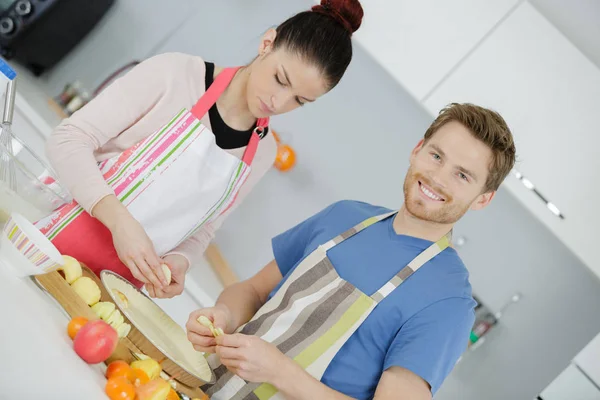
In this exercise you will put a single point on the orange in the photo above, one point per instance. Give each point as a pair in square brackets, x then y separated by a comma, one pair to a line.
[120, 368]
[119, 388]
[139, 377]
[173, 395]
[286, 158]
[75, 325]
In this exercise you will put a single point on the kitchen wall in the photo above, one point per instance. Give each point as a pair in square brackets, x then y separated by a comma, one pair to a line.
[354, 144]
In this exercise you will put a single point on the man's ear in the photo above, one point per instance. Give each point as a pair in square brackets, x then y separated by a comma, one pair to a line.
[416, 150]
[483, 200]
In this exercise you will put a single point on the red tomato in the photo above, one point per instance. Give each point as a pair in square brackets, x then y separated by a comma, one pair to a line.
[95, 342]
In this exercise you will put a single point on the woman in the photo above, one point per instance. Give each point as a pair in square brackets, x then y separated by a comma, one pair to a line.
[115, 225]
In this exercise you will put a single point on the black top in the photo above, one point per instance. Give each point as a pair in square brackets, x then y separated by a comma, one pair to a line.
[226, 137]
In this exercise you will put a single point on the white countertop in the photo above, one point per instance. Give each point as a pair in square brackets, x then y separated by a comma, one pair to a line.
[36, 354]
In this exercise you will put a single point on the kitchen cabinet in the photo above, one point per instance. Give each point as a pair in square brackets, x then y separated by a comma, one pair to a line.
[549, 93]
[420, 42]
[571, 384]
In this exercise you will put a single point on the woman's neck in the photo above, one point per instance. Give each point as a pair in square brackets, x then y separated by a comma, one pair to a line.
[232, 104]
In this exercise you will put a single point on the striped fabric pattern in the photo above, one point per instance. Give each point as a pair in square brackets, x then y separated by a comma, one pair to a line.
[136, 168]
[28, 248]
[311, 316]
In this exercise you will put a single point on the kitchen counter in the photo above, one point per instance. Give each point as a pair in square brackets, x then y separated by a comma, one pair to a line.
[37, 357]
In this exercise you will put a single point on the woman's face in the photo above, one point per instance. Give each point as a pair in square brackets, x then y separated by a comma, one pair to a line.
[280, 81]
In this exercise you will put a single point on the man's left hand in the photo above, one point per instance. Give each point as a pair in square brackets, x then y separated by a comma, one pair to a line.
[178, 265]
[251, 358]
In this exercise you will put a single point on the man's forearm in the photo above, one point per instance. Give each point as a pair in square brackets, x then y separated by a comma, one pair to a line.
[297, 384]
[242, 302]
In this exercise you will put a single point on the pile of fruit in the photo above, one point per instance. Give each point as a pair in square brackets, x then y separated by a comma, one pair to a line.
[143, 379]
[89, 291]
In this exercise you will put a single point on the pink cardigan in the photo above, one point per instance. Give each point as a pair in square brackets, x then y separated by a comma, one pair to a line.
[129, 110]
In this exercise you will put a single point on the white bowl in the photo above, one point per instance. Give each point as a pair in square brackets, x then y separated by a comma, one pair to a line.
[26, 249]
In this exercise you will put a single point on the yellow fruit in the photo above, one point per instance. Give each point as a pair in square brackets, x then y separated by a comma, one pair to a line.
[115, 319]
[149, 366]
[87, 289]
[71, 269]
[157, 389]
[167, 273]
[123, 330]
[103, 309]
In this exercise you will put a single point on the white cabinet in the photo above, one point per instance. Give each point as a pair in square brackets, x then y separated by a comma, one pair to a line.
[549, 94]
[419, 42]
[588, 360]
[571, 384]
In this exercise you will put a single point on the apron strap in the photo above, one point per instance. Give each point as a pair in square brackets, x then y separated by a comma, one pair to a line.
[210, 97]
[412, 267]
[354, 230]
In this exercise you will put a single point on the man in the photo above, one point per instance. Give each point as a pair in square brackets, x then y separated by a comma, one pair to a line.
[347, 309]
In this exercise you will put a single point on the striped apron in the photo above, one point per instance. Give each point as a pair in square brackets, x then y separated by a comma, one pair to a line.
[312, 316]
[173, 182]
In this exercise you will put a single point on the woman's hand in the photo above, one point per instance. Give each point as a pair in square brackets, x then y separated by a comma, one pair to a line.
[179, 266]
[199, 335]
[134, 247]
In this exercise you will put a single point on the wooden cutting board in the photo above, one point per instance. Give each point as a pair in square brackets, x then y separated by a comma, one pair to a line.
[55, 284]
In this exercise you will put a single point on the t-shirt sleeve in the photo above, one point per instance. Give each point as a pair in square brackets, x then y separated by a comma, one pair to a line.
[430, 343]
[290, 247]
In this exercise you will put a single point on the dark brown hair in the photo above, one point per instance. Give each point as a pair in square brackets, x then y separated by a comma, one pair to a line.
[487, 126]
[322, 36]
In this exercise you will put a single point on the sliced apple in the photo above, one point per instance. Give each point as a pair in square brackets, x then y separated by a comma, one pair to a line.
[167, 272]
[115, 319]
[123, 330]
[87, 289]
[103, 309]
[71, 269]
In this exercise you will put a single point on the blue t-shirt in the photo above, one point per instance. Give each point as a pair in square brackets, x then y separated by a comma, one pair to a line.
[422, 326]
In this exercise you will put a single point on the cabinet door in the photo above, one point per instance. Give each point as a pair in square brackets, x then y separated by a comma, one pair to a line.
[571, 384]
[549, 93]
[419, 42]
[588, 360]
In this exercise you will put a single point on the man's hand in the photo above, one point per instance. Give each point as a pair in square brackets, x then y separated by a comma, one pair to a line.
[251, 358]
[200, 336]
[179, 266]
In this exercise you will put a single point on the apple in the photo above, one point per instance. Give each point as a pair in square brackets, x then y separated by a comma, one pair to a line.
[95, 342]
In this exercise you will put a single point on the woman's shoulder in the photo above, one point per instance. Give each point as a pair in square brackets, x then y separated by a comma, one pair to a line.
[176, 62]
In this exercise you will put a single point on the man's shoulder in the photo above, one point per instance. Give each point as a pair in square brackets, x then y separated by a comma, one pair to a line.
[356, 209]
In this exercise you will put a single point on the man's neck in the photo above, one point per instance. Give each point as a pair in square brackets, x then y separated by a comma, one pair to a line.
[407, 224]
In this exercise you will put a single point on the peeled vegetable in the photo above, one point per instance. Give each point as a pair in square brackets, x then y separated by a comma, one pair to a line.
[71, 269]
[103, 309]
[208, 323]
[87, 289]
[167, 272]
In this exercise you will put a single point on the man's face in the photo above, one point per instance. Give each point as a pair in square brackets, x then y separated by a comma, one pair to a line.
[447, 175]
